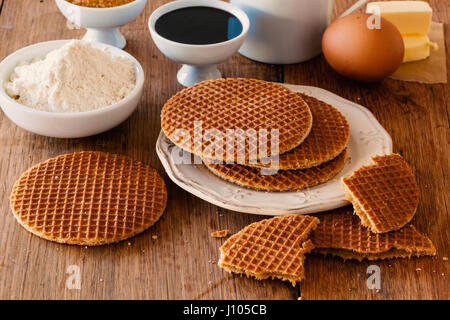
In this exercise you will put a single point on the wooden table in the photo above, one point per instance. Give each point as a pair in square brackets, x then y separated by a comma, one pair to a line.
[181, 262]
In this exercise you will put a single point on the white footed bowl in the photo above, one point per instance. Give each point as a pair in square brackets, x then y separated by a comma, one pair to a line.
[199, 61]
[66, 125]
[102, 24]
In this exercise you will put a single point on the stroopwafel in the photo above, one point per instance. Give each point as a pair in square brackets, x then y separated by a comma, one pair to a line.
[88, 198]
[384, 193]
[231, 120]
[270, 248]
[340, 233]
[329, 136]
[283, 180]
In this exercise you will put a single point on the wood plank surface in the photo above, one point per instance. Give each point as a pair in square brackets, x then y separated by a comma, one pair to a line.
[181, 262]
[417, 118]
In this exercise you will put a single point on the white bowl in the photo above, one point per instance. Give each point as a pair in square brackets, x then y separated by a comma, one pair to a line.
[59, 124]
[198, 60]
[102, 24]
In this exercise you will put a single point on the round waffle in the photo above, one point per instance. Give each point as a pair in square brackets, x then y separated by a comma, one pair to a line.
[230, 119]
[270, 248]
[88, 198]
[340, 233]
[329, 136]
[384, 194]
[286, 180]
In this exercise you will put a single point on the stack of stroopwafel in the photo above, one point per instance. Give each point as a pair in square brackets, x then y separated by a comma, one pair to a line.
[258, 134]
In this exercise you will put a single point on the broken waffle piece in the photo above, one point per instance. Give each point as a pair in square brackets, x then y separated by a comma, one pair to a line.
[270, 248]
[219, 233]
[341, 234]
[384, 193]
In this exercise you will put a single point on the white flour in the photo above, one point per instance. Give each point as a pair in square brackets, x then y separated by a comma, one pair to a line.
[75, 78]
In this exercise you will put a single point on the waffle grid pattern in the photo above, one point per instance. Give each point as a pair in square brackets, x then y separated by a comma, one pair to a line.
[88, 198]
[285, 180]
[236, 103]
[270, 248]
[340, 233]
[329, 136]
[384, 194]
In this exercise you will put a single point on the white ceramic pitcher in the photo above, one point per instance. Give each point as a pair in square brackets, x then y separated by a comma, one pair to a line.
[286, 31]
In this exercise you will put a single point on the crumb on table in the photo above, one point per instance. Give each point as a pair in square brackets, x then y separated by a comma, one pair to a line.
[219, 234]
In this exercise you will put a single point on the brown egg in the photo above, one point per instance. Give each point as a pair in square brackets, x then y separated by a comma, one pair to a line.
[360, 53]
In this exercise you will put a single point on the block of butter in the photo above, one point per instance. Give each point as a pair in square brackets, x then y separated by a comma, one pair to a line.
[410, 17]
[417, 47]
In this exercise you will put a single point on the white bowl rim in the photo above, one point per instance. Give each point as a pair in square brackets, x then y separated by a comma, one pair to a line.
[140, 79]
[179, 4]
[121, 7]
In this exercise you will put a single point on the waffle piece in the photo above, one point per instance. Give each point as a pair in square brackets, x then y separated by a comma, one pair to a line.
[220, 233]
[340, 233]
[329, 136]
[224, 119]
[270, 248]
[384, 194]
[286, 180]
[88, 198]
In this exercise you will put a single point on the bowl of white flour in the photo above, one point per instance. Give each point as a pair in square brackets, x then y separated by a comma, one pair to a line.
[70, 88]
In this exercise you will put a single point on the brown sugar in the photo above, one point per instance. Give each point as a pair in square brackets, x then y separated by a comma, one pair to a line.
[100, 3]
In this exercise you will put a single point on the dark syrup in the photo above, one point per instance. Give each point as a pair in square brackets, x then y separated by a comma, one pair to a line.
[198, 25]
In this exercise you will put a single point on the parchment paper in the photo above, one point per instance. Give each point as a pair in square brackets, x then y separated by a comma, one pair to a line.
[431, 70]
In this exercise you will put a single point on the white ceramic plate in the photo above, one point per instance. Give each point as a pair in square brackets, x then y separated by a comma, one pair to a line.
[367, 138]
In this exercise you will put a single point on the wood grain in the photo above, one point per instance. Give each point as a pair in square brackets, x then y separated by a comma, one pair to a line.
[180, 263]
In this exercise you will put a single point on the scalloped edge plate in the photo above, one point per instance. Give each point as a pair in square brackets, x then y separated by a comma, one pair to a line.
[367, 138]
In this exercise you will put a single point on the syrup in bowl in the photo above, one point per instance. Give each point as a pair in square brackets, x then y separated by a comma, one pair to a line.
[198, 25]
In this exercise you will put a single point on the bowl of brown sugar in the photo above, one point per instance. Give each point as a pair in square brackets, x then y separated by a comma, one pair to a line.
[100, 3]
[102, 18]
